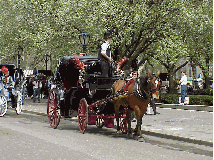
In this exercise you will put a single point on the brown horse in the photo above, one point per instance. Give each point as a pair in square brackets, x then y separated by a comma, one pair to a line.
[132, 100]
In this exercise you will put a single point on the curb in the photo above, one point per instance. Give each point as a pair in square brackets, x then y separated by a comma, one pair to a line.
[166, 136]
[187, 107]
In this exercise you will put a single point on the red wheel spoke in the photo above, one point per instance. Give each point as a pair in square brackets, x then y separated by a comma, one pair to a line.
[53, 109]
[82, 115]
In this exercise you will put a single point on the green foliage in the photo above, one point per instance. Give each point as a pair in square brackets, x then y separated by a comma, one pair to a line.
[163, 31]
[201, 100]
[193, 99]
[167, 98]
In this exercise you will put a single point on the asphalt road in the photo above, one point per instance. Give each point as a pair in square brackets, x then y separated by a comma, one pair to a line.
[29, 136]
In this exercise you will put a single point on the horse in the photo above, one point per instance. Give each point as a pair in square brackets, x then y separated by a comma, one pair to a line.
[133, 99]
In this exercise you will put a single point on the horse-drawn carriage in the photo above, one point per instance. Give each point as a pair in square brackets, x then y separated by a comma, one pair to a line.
[79, 85]
[9, 92]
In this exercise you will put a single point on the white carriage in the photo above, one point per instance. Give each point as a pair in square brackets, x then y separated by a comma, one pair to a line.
[5, 98]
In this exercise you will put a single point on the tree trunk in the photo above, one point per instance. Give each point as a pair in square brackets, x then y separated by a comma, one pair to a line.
[171, 82]
[207, 82]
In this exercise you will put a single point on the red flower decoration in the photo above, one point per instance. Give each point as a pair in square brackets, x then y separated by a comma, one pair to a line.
[120, 62]
[4, 69]
[77, 63]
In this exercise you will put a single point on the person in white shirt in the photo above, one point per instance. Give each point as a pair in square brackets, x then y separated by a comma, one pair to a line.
[37, 85]
[104, 55]
[183, 83]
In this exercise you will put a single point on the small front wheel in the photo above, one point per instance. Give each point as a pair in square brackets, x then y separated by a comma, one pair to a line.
[123, 125]
[18, 107]
[99, 122]
[82, 115]
[3, 106]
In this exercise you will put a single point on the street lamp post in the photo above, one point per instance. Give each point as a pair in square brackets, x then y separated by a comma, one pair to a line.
[20, 49]
[84, 38]
[46, 60]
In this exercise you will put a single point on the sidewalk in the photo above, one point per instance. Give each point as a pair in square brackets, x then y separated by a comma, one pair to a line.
[187, 107]
[180, 124]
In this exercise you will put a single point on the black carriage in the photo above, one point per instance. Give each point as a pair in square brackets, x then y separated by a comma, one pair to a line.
[77, 83]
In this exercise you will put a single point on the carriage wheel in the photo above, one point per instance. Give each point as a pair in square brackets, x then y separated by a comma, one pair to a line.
[3, 106]
[53, 110]
[123, 125]
[99, 123]
[18, 107]
[82, 114]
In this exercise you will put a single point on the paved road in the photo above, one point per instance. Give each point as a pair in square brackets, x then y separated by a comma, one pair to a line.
[29, 136]
[190, 125]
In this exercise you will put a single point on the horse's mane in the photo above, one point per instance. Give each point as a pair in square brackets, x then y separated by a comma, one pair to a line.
[144, 80]
[144, 85]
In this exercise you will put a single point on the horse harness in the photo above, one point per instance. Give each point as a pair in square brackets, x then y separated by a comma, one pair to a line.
[136, 91]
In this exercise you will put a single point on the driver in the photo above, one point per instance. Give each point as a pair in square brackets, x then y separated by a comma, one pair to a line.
[104, 55]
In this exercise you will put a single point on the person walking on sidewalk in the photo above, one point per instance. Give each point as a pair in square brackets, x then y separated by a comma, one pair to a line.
[183, 83]
[37, 85]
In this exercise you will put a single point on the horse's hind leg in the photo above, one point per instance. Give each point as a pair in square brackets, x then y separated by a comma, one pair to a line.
[128, 118]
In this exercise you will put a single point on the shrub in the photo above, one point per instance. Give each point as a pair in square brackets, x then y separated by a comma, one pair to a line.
[202, 92]
[167, 98]
[201, 99]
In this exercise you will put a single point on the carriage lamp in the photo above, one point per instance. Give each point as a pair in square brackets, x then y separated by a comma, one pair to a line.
[20, 50]
[84, 38]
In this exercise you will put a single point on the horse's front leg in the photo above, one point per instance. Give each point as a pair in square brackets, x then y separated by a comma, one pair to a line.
[137, 131]
[139, 122]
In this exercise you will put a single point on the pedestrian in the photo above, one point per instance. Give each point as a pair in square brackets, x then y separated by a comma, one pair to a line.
[105, 57]
[30, 87]
[37, 85]
[183, 83]
[35, 71]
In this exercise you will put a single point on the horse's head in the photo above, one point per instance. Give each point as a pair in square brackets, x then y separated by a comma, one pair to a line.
[150, 83]
[154, 85]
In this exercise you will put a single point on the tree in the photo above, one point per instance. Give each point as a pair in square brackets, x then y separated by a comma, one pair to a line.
[165, 30]
[198, 35]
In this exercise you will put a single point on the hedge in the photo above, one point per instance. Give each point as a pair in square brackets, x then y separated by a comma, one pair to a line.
[167, 98]
[201, 92]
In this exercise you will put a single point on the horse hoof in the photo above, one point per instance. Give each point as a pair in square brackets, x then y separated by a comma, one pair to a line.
[141, 139]
[119, 132]
[138, 138]
[129, 136]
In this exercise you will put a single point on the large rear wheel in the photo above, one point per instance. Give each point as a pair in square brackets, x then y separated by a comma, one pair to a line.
[53, 110]
[82, 115]
[3, 106]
